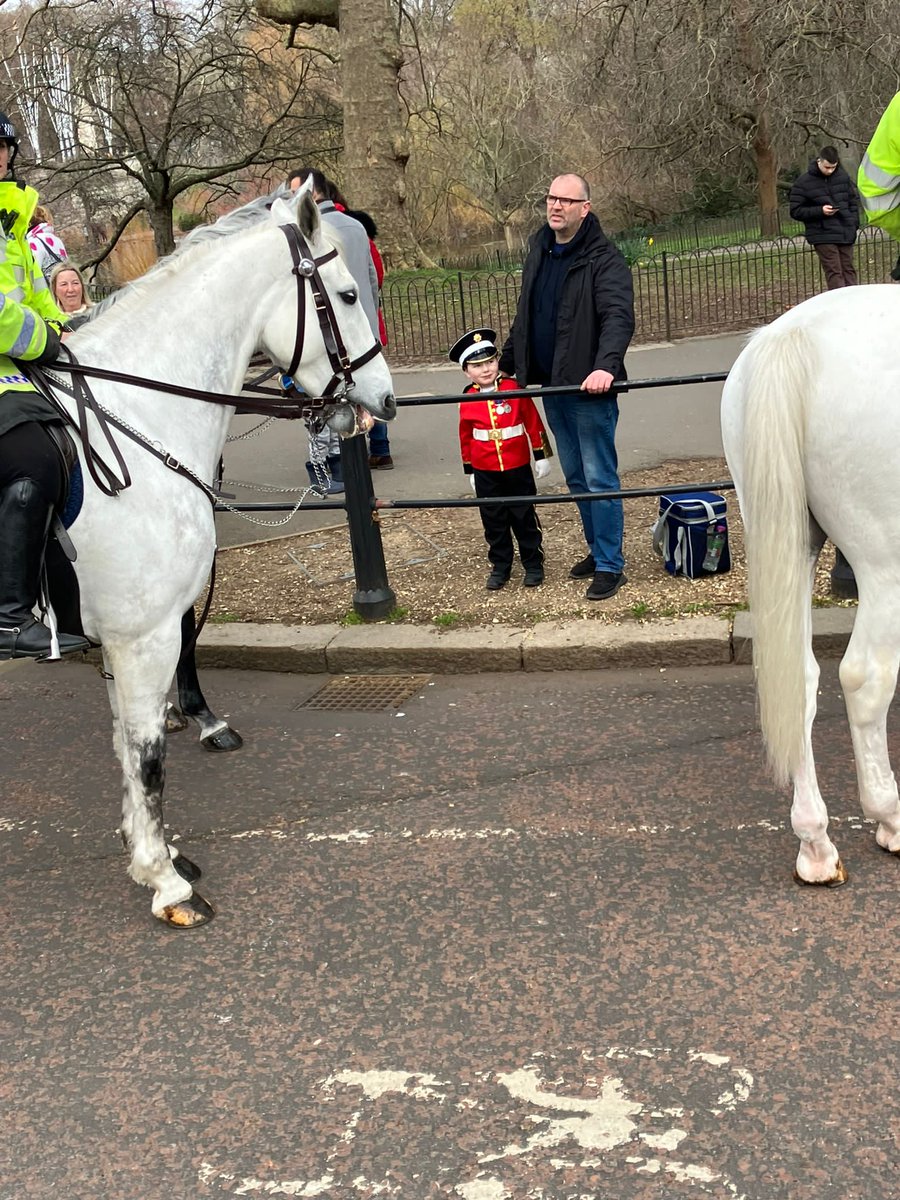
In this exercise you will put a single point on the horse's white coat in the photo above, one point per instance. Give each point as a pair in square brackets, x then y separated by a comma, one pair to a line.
[811, 425]
[144, 556]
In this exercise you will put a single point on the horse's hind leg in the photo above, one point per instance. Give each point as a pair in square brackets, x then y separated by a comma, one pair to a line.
[215, 734]
[142, 672]
[869, 678]
[818, 861]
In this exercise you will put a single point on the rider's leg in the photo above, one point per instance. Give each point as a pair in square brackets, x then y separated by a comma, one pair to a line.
[28, 492]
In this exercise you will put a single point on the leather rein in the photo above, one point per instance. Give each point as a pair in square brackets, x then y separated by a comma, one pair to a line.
[291, 404]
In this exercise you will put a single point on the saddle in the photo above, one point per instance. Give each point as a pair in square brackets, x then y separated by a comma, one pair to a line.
[72, 495]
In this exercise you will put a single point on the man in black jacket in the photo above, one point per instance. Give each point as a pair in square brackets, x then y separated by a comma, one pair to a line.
[825, 199]
[572, 327]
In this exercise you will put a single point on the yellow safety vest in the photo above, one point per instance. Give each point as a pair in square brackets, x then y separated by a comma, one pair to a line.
[879, 172]
[25, 299]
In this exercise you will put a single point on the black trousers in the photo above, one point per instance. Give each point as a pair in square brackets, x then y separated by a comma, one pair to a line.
[501, 521]
[27, 452]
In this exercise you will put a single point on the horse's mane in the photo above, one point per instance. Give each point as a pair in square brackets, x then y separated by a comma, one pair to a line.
[236, 221]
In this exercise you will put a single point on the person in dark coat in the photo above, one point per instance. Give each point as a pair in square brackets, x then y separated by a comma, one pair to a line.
[825, 199]
[573, 324]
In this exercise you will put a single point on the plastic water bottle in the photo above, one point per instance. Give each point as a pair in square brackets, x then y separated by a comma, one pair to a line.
[715, 543]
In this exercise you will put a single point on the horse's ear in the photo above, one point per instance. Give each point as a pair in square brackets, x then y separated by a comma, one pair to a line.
[308, 213]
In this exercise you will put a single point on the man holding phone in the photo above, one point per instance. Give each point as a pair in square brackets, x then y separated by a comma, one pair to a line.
[825, 199]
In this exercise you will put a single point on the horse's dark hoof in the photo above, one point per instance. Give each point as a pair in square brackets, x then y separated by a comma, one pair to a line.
[189, 871]
[175, 719]
[225, 739]
[838, 879]
[189, 914]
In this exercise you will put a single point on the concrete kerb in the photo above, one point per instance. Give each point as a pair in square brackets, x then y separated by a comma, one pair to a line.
[549, 646]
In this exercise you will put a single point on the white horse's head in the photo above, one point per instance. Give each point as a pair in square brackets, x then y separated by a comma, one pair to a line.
[318, 330]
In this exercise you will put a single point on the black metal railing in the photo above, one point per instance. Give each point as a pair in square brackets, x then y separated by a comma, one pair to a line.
[677, 295]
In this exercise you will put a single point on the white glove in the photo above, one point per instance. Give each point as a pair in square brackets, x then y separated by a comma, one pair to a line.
[471, 479]
[541, 468]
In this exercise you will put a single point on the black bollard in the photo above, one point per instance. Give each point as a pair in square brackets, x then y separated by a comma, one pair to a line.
[843, 581]
[373, 597]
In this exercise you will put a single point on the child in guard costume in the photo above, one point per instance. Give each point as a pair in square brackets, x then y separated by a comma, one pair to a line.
[31, 468]
[497, 436]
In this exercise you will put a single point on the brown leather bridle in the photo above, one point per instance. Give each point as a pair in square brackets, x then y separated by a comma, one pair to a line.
[306, 267]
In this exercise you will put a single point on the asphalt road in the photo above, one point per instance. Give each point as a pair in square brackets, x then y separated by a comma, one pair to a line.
[529, 936]
[671, 422]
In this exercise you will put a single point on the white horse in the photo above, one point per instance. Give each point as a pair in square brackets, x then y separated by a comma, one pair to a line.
[811, 427]
[143, 556]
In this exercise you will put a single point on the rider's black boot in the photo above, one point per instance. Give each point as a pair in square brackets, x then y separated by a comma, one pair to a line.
[24, 521]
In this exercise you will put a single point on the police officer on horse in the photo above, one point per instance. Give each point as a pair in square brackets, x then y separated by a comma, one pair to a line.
[32, 474]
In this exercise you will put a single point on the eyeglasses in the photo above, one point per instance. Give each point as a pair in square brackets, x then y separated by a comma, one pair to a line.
[565, 200]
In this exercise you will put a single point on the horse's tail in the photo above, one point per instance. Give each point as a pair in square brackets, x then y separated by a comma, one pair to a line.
[776, 395]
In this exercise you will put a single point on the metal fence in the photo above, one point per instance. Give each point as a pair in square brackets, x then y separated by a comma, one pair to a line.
[676, 295]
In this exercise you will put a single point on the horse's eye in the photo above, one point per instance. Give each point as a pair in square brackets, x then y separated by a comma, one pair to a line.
[349, 297]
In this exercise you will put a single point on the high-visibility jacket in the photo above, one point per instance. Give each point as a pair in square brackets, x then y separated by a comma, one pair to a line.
[29, 319]
[26, 305]
[879, 172]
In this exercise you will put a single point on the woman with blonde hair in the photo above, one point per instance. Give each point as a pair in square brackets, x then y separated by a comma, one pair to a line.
[69, 290]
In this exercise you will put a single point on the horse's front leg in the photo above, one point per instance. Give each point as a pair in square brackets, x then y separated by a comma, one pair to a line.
[142, 670]
[215, 733]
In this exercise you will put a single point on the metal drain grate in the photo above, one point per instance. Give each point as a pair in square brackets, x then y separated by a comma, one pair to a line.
[366, 693]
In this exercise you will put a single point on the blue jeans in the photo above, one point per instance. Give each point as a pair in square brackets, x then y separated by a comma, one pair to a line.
[585, 433]
[378, 439]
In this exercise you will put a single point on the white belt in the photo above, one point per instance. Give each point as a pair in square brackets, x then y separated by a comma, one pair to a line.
[497, 435]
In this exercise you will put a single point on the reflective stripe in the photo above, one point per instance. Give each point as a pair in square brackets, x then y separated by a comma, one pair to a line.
[13, 379]
[23, 341]
[18, 273]
[17, 294]
[39, 284]
[884, 203]
[2, 250]
[878, 175]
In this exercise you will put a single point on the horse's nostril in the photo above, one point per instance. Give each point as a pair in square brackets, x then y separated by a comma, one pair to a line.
[390, 406]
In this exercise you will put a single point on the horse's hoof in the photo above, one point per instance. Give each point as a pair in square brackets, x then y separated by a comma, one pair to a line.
[838, 879]
[188, 914]
[225, 739]
[888, 850]
[188, 870]
[175, 719]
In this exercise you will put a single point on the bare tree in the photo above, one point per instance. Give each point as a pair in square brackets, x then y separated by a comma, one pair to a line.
[376, 143]
[161, 98]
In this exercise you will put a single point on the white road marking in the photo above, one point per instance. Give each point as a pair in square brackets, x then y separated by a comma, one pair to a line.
[596, 1125]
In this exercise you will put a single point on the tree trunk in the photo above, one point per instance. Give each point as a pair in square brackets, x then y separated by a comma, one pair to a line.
[766, 178]
[752, 60]
[160, 214]
[376, 145]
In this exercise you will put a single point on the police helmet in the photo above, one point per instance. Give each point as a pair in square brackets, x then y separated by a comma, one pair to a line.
[8, 134]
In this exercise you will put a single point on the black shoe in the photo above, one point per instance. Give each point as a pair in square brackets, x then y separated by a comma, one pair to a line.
[582, 569]
[31, 639]
[605, 585]
[496, 580]
[381, 462]
[534, 577]
[895, 274]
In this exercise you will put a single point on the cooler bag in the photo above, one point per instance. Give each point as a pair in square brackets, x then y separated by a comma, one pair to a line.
[691, 534]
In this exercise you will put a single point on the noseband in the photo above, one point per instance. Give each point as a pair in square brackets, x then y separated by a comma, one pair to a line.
[306, 267]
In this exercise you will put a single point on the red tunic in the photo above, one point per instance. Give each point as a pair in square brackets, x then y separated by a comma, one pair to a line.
[490, 416]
